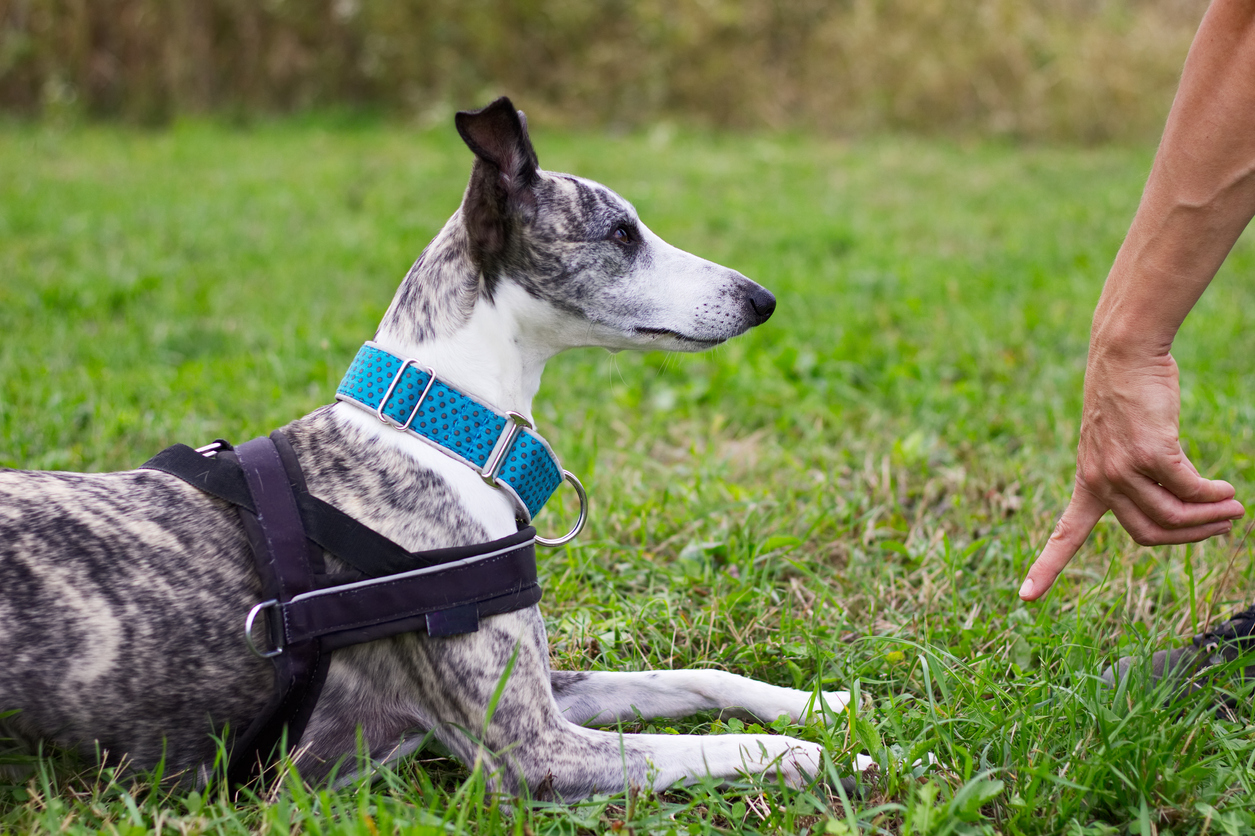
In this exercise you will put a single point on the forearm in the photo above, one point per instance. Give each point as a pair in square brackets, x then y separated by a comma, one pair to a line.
[1199, 197]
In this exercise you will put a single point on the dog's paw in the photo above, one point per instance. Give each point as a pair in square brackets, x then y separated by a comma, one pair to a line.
[800, 707]
[823, 708]
[798, 762]
[803, 764]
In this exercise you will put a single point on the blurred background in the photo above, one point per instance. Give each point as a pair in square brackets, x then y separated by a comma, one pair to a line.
[1085, 71]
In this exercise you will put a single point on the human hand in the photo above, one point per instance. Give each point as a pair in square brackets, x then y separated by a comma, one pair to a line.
[1130, 461]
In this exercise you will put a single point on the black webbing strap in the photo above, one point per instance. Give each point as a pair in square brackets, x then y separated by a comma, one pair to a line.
[363, 548]
[211, 473]
[286, 565]
[443, 591]
[445, 600]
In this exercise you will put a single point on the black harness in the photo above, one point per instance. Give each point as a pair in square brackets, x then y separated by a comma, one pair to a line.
[308, 612]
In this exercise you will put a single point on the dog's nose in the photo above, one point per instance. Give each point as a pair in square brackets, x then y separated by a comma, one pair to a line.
[763, 303]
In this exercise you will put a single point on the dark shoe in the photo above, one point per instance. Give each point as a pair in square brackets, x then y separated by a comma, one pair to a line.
[1223, 644]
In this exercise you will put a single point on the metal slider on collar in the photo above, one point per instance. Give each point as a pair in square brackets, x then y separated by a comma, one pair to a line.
[515, 424]
[387, 396]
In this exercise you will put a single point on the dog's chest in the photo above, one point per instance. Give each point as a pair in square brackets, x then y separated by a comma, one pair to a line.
[407, 489]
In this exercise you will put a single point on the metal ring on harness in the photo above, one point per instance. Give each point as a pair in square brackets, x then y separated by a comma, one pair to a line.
[249, 620]
[579, 523]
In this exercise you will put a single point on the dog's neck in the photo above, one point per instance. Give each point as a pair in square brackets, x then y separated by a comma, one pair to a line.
[493, 357]
[491, 349]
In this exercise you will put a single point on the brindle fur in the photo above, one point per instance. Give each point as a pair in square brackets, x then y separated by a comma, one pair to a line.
[122, 595]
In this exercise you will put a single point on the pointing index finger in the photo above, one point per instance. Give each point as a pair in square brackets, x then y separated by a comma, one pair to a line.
[1078, 520]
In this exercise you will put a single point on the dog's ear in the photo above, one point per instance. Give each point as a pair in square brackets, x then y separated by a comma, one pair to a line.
[498, 136]
[506, 170]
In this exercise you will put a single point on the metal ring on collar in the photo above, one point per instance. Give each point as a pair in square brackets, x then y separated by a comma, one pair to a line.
[249, 621]
[579, 523]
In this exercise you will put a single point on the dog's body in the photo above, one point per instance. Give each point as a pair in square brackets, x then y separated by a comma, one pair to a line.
[122, 595]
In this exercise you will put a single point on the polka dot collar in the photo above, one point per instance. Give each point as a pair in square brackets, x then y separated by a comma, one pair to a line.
[502, 448]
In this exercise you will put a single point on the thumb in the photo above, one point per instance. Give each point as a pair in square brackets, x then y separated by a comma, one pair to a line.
[1078, 520]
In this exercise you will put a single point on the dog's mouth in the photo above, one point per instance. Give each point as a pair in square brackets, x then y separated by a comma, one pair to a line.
[676, 335]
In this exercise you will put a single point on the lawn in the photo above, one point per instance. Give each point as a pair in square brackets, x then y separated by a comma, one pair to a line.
[850, 495]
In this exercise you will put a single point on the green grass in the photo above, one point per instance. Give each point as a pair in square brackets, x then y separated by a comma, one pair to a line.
[850, 495]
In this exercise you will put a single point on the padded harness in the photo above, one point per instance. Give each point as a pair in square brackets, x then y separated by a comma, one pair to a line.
[307, 611]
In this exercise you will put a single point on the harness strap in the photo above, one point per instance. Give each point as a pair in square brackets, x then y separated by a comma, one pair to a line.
[284, 563]
[296, 478]
[445, 600]
[363, 548]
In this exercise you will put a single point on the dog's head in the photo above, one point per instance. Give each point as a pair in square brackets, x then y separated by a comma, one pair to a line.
[578, 247]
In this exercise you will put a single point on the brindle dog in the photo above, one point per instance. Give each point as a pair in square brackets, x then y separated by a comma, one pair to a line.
[122, 595]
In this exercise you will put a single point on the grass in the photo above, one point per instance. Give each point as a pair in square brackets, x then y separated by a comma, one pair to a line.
[850, 495]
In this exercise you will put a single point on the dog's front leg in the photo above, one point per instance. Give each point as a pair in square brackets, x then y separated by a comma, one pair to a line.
[605, 697]
[377, 692]
[687, 759]
[567, 762]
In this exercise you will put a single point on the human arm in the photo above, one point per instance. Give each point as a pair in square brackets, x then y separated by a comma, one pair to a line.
[1198, 199]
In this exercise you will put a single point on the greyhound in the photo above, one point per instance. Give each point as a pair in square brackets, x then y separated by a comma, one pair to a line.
[122, 594]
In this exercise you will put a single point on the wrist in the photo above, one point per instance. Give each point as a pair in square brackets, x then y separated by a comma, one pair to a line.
[1127, 334]
[1128, 340]
[1138, 315]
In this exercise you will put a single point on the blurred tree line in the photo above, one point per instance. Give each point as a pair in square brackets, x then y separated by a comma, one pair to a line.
[1079, 70]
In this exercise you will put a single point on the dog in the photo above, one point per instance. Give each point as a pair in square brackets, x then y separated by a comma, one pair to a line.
[122, 594]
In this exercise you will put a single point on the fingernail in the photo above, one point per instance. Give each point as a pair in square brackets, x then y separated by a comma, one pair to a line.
[1026, 588]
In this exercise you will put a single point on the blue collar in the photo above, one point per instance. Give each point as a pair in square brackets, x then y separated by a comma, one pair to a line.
[501, 448]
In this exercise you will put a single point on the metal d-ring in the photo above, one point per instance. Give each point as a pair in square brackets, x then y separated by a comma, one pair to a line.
[251, 619]
[579, 523]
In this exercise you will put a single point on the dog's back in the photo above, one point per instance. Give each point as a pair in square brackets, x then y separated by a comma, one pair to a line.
[112, 622]
[121, 618]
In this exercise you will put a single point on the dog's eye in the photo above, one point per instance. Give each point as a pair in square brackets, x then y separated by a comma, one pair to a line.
[623, 234]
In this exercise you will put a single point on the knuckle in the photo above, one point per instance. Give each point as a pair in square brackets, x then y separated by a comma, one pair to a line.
[1117, 473]
[1065, 539]
[1063, 532]
[1091, 474]
[1141, 458]
[1161, 455]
